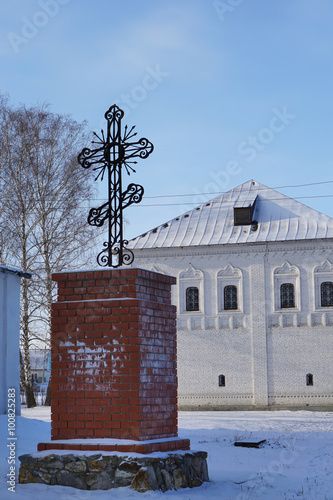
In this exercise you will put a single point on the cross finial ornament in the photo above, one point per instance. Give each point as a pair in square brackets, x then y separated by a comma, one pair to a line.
[113, 152]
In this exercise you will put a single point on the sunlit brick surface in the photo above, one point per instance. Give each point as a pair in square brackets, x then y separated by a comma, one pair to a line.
[114, 356]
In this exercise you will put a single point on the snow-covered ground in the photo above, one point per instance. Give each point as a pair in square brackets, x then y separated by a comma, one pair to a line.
[296, 463]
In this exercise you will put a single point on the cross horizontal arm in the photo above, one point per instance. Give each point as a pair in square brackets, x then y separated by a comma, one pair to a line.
[133, 194]
[87, 155]
[97, 216]
[142, 149]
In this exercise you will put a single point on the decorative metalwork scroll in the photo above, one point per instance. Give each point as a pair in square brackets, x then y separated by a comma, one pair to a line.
[114, 151]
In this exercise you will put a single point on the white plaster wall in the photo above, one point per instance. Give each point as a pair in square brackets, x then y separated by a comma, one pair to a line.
[203, 356]
[301, 341]
[265, 353]
[294, 352]
[9, 337]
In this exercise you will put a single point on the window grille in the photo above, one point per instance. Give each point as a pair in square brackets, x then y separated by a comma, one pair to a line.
[326, 294]
[309, 379]
[192, 299]
[230, 297]
[221, 380]
[287, 295]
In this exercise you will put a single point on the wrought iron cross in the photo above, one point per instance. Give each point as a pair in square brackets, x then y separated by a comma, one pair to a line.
[113, 152]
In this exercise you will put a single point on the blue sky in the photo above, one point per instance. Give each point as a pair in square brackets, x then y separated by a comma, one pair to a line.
[226, 90]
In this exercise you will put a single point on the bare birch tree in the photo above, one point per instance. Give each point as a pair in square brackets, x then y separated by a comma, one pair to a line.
[42, 221]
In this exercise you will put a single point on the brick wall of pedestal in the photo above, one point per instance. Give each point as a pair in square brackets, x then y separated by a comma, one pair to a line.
[114, 356]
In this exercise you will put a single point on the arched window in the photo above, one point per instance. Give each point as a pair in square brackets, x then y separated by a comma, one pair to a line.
[221, 380]
[326, 294]
[230, 290]
[309, 379]
[287, 291]
[192, 298]
[230, 297]
[191, 291]
[287, 287]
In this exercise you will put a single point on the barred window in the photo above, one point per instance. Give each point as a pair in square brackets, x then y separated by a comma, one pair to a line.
[192, 298]
[221, 380]
[287, 295]
[309, 379]
[326, 294]
[230, 297]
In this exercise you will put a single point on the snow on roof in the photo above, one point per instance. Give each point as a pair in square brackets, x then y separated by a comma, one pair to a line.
[13, 270]
[279, 218]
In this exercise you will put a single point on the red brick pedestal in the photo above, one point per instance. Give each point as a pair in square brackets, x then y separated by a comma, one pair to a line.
[114, 378]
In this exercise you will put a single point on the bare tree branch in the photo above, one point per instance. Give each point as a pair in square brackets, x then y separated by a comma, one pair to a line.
[42, 227]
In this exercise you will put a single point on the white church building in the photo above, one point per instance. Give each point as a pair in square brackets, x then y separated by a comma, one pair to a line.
[254, 295]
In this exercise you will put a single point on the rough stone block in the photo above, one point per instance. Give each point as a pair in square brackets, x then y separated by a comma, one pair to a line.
[142, 473]
[145, 480]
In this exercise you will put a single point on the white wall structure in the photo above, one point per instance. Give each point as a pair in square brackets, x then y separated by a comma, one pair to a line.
[10, 335]
[254, 297]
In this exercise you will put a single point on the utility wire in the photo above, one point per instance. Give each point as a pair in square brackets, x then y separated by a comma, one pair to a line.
[223, 192]
[232, 202]
[198, 204]
[97, 200]
[234, 190]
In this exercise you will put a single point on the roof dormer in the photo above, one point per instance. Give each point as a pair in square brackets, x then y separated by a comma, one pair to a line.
[243, 212]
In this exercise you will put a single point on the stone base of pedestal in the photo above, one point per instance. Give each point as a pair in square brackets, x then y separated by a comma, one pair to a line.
[103, 471]
[121, 445]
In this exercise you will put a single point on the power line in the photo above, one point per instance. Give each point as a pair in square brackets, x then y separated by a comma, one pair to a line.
[232, 202]
[224, 192]
[235, 189]
[97, 200]
[196, 204]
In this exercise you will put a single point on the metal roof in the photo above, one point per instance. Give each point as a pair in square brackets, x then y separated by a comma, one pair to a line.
[279, 218]
[18, 272]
